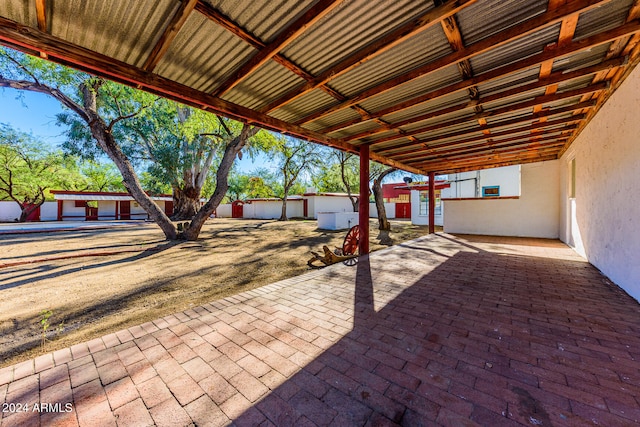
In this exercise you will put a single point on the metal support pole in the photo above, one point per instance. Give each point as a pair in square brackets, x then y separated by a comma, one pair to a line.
[363, 201]
[432, 202]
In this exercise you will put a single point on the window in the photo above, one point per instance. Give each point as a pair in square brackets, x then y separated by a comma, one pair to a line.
[492, 191]
[424, 203]
[572, 191]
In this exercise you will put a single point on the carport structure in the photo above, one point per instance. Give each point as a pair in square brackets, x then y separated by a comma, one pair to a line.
[428, 87]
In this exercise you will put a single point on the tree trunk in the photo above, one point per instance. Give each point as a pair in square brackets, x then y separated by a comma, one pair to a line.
[283, 215]
[383, 222]
[186, 203]
[222, 182]
[102, 133]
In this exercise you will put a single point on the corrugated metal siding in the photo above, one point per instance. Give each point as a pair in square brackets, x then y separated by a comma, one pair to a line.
[422, 49]
[123, 29]
[485, 18]
[413, 89]
[610, 15]
[263, 86]
[263, 19]
[203, 55]
[349, 28]
[515, 50]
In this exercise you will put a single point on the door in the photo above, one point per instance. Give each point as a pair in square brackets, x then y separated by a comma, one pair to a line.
[125, 209]
[168, 207]
[33, 216]
[237, 209]
[403, 210]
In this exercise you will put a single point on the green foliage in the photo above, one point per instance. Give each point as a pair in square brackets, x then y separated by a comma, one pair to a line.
[45, 325]
[28, 169]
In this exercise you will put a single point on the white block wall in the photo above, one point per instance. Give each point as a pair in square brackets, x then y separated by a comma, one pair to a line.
[536, 213]
[603, 220]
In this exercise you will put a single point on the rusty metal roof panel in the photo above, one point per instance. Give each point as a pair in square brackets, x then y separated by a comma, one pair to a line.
[349, 28]
[357, 128]
[203, 55]
[605, 17]
[485, 18]
[413, 89]
[122, 29]
[518, 49]
[263, 19]
[266, 84]
[418, 50]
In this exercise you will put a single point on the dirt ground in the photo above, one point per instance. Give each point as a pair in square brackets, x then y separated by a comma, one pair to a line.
[95, 282]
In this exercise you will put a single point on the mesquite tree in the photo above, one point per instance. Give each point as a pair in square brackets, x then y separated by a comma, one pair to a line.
[103, 107]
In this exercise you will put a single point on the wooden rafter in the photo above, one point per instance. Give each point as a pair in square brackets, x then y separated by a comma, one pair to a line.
[511, 122]
[553, 79]
[503, 111]
[388, 41]
[492, 161]
[629, 46]
[41, 17]
[29, 39]
[522, 29]
[496, 140]
[177, 21]
[286, 36]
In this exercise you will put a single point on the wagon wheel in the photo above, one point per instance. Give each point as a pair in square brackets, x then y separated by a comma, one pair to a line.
[351, 240]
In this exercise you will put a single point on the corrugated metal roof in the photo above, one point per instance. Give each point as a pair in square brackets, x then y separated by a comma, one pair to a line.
[485, 18]
[427, 84]
[602, 18]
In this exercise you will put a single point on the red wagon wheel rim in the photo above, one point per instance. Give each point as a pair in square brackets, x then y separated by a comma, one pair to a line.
[350, 245]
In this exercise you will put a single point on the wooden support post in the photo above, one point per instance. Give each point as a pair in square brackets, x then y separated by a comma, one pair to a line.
[363, 201]
[432, 202]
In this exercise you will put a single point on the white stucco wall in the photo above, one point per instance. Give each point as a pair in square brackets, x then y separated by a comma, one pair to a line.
[464, 184]
[71, 212]
[389, 208]
[9, 211]
[49, 211]
[418, 219]
[107, 210]
[328, 204]
[267, 209]
[604, 223]
[224, 211]
[536, 213]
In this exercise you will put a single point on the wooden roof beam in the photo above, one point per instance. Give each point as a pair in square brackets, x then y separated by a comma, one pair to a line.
[516, 121]
[177, 21]
[386, 42]
[553, 79]
[504, 110]
[445, 150]
[524, 28]
[623, 46]
[284, 38]
[522, 148]
[490, 161]
[494, 164]
[41, 17]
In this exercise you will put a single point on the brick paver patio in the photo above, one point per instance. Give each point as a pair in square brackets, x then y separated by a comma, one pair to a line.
[443, 330]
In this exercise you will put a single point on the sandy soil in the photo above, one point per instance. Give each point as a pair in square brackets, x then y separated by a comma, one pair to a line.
[99, 281]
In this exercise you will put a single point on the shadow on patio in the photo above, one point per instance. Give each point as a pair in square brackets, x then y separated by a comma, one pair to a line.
[443, 330]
